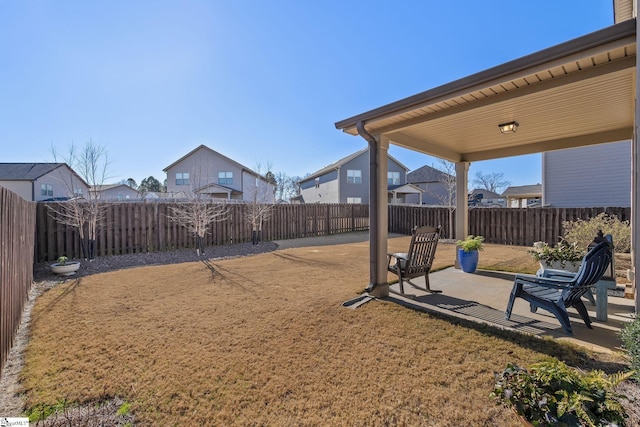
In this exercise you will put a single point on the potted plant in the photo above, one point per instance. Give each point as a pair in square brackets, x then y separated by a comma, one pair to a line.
[564, 256]
[64, 267]
[468, 252]
[551, 393]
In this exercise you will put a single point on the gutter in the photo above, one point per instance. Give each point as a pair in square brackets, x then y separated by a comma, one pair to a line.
[374, 215]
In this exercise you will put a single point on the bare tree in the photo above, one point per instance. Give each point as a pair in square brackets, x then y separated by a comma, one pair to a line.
[493, 182]
[286, 186]
[84, 212]
[196, 215]
[260, 203]
[448, 198]
[198, 211]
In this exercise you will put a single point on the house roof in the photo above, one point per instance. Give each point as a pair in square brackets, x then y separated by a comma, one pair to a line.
[26, 171]
[577, 93]
[523, 191]
[486, 194]
[104, 187]
[337, 164]
[202, 146]
[426, 174]
[31, 171]
[405, 189]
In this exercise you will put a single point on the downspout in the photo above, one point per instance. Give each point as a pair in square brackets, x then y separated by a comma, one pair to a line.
[373, 203]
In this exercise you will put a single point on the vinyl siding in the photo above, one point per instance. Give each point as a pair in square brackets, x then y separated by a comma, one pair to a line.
[203, 167]
[327, 192]
[592, 176]
[21, 188]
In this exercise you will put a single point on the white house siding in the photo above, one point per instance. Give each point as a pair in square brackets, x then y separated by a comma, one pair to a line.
[592, 176]
[21, 188]
[256, 189]
[63, 182]
[203, 167]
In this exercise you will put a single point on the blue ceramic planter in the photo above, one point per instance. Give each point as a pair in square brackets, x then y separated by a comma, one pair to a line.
[468, 260]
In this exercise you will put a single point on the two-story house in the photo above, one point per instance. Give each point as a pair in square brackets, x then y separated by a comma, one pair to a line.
[205, 172]
[42, 181]
[347, 181]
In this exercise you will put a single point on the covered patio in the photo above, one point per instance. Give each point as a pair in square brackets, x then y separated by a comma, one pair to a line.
[482, 297]
[578, 93]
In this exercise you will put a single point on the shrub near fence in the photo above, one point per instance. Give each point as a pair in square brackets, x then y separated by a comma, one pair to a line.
[17, 225]
[135, 227]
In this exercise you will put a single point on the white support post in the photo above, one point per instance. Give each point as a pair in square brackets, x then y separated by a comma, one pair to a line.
[462, 206]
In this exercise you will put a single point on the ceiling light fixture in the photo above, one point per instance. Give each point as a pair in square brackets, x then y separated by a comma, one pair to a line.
[510, 127]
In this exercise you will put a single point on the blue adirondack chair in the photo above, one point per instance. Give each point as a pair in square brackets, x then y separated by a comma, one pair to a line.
[556, 295]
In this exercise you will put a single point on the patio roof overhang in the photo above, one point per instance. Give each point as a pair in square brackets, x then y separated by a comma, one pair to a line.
[577, 93]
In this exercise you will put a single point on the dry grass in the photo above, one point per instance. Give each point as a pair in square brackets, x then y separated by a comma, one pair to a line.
[266, 342]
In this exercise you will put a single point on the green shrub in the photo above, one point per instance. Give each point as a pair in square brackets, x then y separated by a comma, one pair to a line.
[471, 243]
[551, 393]
[582, 231]
[630, 336]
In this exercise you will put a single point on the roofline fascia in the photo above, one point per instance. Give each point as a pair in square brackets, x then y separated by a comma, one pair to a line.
[601, 37]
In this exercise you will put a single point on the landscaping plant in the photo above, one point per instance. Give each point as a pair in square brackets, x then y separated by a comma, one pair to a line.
[551, 393]
[471, 243]
[582, 232]
[563, 252]
[630, 336]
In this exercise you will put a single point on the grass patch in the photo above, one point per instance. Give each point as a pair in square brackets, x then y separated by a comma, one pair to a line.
[266, 342]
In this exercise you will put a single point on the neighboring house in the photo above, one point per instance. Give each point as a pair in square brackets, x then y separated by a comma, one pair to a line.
[433, 182]
[523, 196]
[42, 181]
[208, 173]
[114, 192]
[347, 181]
[591, 176]
[480, 197]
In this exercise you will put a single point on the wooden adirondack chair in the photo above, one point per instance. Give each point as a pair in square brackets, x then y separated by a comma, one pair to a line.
[417, 261]
[555, 295]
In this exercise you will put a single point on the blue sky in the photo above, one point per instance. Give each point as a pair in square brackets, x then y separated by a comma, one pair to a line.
[262, 82]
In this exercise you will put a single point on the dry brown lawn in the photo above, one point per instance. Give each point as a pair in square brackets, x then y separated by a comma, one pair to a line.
[267, 342]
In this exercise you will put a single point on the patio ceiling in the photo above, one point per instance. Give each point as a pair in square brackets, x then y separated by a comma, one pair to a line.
[577, 93]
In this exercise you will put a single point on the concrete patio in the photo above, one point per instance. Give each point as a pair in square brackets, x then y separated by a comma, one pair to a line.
[482, 297]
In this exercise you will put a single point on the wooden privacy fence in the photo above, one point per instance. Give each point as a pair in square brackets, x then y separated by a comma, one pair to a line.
[145, 227]
[505, 226]
[17, 225]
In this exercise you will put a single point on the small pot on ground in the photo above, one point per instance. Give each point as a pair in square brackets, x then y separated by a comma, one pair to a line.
[64, 267]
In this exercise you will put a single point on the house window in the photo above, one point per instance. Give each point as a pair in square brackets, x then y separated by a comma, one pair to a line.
[317, 182]
[354, 199]
[77, 192]
[354, 176]
[46, 190]
[225, 178]
[393, 178]
[182, 178]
